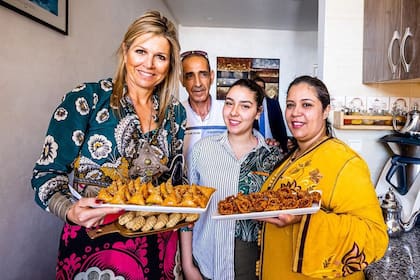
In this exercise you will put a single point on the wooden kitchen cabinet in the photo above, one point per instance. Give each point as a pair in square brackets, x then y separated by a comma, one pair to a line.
[391, 43]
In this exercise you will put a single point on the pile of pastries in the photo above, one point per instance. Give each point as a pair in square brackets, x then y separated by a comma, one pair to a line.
[137, 193]
[150, 221]
[268, 200]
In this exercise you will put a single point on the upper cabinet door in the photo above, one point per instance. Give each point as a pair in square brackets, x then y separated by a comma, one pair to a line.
[380, 43]
[390, 40]
[410, 39]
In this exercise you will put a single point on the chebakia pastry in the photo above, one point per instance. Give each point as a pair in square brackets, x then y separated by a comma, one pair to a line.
[269, 200]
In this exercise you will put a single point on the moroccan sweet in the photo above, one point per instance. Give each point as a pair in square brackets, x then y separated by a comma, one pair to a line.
[148, 221]
[268, 200]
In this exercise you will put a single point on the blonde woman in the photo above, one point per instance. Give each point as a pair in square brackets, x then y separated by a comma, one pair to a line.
[102, 129]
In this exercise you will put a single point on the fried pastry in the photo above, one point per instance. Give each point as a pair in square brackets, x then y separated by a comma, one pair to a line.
[207, 191]
[163, 190]
[169, 187]
[105, 195]
[145, 213]
[137, 193]
[149, 223]
[191, 218]
[126, 217]
[162, 220]
[174, 219]
[188, 200]
[170, 200]
[118, 198]
[137, 223]
[155, 196]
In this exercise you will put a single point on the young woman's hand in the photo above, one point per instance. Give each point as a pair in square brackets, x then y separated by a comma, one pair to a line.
[272, 142]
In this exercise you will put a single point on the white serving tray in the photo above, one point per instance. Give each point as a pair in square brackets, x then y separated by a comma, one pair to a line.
[158, 208]
[149, 208]
[268, 214]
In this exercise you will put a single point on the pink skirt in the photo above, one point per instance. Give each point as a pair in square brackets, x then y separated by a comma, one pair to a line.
[113, 256]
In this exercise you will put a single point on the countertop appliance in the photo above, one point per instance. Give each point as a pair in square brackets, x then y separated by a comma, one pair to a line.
[400, 175]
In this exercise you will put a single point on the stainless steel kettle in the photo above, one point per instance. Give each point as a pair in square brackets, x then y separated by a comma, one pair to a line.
[412, 123]
[392, 210]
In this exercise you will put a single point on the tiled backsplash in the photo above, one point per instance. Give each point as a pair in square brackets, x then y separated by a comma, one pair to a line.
[374, 104]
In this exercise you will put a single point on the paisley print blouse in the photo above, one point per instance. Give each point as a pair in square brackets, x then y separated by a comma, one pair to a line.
[87, 139]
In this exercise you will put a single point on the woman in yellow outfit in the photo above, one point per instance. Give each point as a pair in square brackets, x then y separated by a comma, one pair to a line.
[349, 232]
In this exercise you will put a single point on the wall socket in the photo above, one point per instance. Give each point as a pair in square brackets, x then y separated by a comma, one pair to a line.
[355, 144]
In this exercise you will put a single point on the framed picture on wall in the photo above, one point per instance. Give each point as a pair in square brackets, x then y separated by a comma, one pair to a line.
[51, 13]
[231, 69]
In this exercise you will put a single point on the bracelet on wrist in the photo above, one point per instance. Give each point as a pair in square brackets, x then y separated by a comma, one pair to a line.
[185, 229]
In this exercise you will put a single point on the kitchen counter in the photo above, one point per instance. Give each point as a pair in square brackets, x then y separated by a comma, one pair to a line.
[401, 260]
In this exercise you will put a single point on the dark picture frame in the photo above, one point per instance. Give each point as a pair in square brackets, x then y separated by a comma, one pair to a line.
[230, 69]
[51, 13]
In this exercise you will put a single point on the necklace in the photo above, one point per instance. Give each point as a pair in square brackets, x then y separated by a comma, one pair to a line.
[150, 160]
[153, 114]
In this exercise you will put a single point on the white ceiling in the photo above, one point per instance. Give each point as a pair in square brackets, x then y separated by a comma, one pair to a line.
[299, 15]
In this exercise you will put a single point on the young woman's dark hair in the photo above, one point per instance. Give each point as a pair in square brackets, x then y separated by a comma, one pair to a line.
[252, 86]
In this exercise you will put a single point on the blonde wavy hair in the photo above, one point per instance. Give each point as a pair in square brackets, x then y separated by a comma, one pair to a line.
[155, 23]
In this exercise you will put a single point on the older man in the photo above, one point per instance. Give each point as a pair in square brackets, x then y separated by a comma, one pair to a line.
[204, 112]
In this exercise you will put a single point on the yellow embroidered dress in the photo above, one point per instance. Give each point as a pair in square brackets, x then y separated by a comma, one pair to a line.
[341, 239]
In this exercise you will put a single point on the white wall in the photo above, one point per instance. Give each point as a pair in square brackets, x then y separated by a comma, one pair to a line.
[340, 53]
[297, 51]
[337, 48]
[38, 66]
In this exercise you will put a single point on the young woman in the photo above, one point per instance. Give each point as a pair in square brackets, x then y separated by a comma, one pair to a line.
[236, 161]
[348, 233]
[99, 131]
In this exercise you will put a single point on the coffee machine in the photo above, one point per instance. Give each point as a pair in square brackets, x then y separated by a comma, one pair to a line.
[400, 176]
